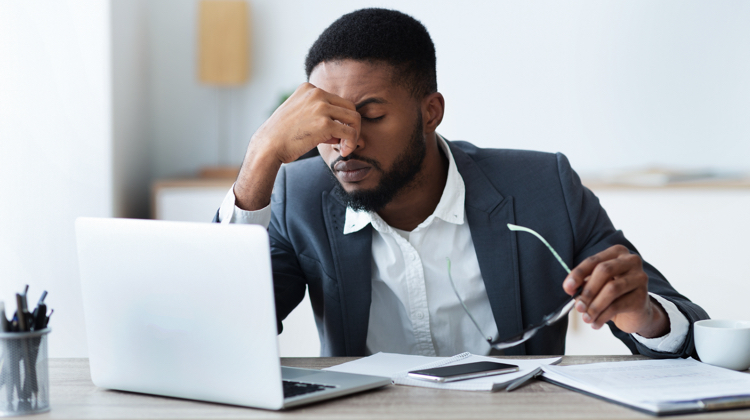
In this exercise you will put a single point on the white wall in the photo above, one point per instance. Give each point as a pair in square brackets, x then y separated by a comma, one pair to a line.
[131, 145]
[608, 83]
[694, 236]
[55, 154]
[611, 84]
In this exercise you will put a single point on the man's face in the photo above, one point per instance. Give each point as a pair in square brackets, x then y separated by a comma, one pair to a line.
[391, 147]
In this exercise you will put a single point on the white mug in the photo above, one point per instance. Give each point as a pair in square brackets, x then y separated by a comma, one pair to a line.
[723, 342]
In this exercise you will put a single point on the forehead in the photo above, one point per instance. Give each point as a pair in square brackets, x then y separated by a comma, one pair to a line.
[358, 80]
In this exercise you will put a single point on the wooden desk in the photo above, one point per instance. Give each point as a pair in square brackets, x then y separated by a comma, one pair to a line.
[74, 396]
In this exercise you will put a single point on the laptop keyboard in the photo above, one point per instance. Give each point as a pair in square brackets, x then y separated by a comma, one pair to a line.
[293, 389]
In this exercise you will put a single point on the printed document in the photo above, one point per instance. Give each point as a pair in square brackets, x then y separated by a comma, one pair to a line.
[657, 386]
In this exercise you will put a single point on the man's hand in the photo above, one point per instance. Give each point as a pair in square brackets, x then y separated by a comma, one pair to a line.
[309, 117]
[616, 289]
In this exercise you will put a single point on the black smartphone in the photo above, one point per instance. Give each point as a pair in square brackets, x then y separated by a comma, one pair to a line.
[464, 371]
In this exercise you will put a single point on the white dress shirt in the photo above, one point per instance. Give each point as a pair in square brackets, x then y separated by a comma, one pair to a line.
[414, 309]
[410, 286]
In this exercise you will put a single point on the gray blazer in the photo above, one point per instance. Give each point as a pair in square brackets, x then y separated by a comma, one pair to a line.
[523, 281]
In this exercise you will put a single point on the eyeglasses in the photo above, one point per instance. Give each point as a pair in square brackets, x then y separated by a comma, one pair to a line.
[529, 332]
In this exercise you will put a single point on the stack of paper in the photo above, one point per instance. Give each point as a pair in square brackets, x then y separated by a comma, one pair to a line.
[396, 366]
[657, 386]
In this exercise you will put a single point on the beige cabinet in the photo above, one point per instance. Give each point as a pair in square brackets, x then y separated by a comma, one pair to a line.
[189, 199]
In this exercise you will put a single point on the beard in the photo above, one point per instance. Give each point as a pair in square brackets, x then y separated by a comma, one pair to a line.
[404, 170]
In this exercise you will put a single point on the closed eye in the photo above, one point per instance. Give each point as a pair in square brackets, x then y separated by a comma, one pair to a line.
[373, 119]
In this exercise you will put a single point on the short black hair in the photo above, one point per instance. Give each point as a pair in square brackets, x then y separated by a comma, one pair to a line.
[380, 36]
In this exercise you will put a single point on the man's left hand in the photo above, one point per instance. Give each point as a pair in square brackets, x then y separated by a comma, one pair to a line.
[616, 289]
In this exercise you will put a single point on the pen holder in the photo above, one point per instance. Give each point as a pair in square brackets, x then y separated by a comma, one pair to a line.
[24, 373]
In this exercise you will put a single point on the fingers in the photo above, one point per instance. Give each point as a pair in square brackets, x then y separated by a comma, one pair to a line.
[346, 128]
[339, 111]
[624, 294]
[617, 307]
[577, 276]
[308, 118]
[345, 135]
[338, 101]
[615, 287]
[342, 115]
[603, 274]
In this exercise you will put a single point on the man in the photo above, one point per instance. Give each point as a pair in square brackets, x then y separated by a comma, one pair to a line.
[368, 227]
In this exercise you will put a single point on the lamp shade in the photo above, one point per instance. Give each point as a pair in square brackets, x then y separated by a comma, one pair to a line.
[224, 42]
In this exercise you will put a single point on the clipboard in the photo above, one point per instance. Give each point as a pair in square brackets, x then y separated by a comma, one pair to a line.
[687, 386]
[671, 409]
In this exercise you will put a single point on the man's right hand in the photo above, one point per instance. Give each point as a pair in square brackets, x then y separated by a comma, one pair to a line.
[308, 118]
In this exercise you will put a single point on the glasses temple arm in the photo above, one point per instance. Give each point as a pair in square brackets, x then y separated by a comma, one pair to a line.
[453, 285]
[544, 241]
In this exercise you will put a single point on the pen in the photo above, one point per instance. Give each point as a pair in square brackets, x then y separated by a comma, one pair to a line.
[24, 325]
[26, 312]
[40, 315]
[41, 299]
[46, 321]
[4, 324]
[13, 383]
[18, 372]
[523, 379]
[40, 312]
[14, 323]
[21, 313]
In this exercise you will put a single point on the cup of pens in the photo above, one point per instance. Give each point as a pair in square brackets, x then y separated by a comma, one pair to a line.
[24, 376]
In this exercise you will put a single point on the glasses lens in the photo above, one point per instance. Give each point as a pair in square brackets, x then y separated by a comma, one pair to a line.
[558, 314]
[529, 332]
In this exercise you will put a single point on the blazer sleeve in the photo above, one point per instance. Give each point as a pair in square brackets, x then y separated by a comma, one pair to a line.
[593, 232]
[289, 282]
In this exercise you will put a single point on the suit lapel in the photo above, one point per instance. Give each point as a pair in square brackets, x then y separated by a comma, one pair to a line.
[488, 214]
[352, 258]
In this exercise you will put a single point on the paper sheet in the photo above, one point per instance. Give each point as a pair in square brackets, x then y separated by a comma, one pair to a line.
[384, 364]
[396, 366]
[650, 383]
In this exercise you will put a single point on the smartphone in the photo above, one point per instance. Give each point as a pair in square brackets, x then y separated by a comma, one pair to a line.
[464, 371]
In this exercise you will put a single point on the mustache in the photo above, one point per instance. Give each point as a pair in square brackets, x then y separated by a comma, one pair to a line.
[375, 164]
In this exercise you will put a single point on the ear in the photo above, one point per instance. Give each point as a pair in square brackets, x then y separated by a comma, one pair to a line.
[433, 107]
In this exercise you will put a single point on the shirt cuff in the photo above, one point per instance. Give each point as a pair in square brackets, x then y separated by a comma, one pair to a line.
[673, 341]
[230, 213]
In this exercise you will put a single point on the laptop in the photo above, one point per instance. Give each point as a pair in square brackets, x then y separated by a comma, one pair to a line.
[187, 310]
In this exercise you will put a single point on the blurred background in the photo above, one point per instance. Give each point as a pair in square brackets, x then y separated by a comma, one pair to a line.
[103, 113]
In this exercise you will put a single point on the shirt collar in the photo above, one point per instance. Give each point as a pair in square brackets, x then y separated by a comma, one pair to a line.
[450, 208]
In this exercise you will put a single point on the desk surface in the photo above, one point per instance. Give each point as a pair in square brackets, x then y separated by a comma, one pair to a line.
[74, 396]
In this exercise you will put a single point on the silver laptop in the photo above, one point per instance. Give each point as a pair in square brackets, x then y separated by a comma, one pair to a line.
[187, 310]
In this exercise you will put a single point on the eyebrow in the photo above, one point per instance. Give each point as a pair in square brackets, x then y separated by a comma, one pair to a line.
[371, 101]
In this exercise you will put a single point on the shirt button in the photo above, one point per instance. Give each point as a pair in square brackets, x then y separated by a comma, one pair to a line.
[420, 315]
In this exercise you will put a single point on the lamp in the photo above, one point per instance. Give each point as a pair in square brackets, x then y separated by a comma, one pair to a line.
[224, 62]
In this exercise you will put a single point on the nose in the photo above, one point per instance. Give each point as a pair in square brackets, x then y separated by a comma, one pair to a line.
[359, 145]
